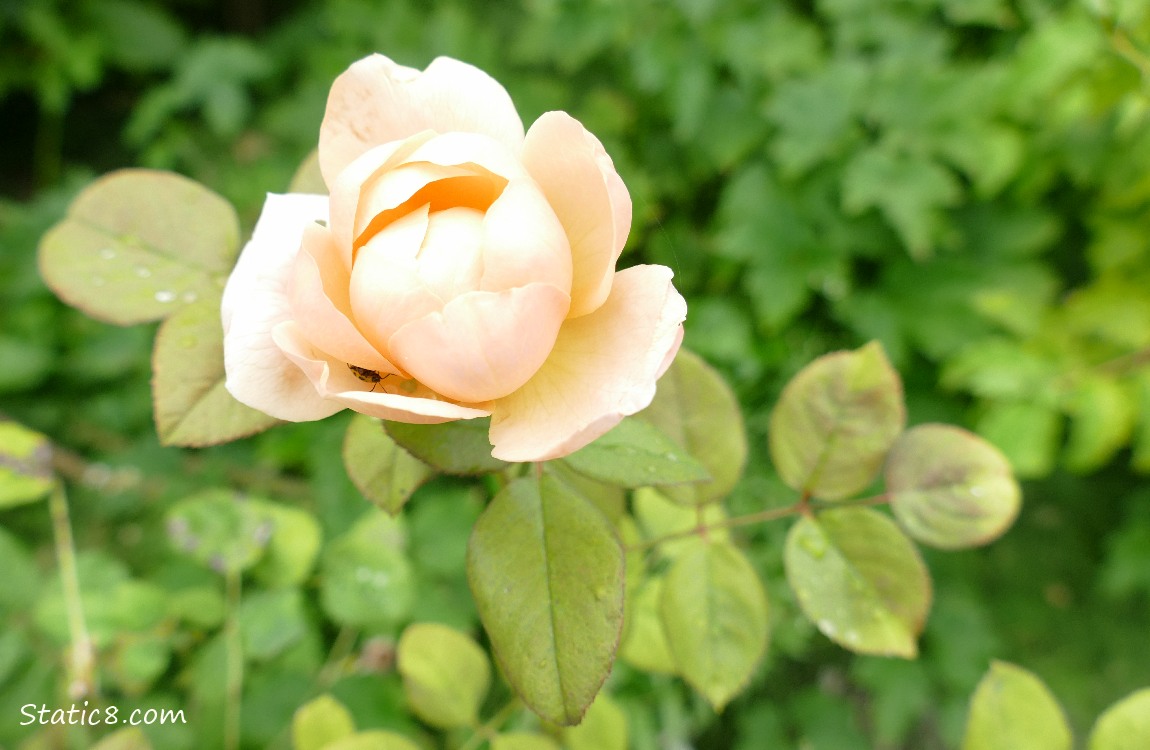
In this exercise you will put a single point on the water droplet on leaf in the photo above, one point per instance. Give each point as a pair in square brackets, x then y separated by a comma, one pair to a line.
[165, 296]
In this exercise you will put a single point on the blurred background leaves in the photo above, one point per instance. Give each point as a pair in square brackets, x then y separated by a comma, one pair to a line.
[967, 182]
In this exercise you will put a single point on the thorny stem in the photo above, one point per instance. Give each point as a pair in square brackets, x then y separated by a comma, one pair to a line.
[235, 662]
[82, 680]
[490, 728]
[804, 506]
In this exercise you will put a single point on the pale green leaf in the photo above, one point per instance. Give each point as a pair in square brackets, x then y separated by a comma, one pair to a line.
[293, 547]
[221, 529]
[307, 177]
[459, 447]
[131, 738]
[373, 739]
[445, 675]
[603, 728]
[1125, 725]
[320, 722]
[546, 569]
[714, 613]
[698, 410]
[1013, 710]
[636, 454]
[860, 580]
[610, 499]
[644, 642]
[137, 244]
[523, 741]
[950, 488]
[366, 578]
[658, 517]
[386, 474]
[835, 421]
[192, 406]
[25, 465]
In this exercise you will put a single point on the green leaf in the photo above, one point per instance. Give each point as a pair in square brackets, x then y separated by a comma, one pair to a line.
[636, 454]
[1102, 416]
[835, 421]
[21, 575]
[137, 661]
[294, 545]
[137, 243]
[25, 465]
[950, 488]
[645, 642]
[546, 570]
[459, 447]
[1027, 433]
[1125, 725]
[523, 741]
[379, 468]
[910, 192]
[132, 738]
[603, 728]
[319, 723]
[445, 675]
[271, 622]
[139, 37]
[698, 410]
[367, 579]
[714, 613]
[220, 529]
[375, 739]
[860, 580]
[659, 517]
[191, 404]
[1012, 710]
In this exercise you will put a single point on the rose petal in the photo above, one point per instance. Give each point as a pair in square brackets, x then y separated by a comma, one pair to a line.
[523, 242]
[385, 290]
[483, 345]
[255, 301]
[450, 263]
[471, 149]
[335, 383]
[376, 101]
[603, 367]
[587, 195]
[321, 303]
[348, 187]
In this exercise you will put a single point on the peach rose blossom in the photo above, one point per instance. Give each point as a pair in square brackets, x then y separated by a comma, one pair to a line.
[458, 269]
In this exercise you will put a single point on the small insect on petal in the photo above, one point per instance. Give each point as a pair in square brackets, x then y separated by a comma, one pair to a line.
[366, 375]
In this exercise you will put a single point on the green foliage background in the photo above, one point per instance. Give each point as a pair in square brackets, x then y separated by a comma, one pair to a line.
[967, 181]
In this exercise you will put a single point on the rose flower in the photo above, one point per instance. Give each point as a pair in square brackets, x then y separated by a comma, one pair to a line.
[458, 269]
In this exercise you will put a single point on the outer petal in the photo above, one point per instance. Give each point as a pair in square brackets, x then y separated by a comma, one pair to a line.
[332, 381]
[588, 196]
[376, 101]
[321, 304]
[484, 344]
[603, 368]
[523, 242]
[255, 301]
